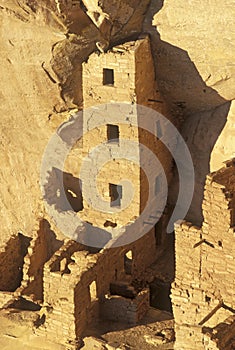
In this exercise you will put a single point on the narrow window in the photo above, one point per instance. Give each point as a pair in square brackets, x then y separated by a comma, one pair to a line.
[115, 193]
[158, 183]
[93, 290]
[108, 76]
[128, 259]
[158, 129]
[112, 133]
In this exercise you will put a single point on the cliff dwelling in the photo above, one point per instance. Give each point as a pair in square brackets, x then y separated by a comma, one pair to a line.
[118, 175]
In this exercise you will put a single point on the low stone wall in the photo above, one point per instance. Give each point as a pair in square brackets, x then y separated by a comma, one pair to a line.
[125, 310]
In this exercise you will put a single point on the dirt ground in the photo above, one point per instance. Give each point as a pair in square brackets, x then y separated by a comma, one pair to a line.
[17, 332]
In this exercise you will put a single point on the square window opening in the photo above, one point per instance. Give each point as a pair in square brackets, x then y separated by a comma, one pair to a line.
[108, 76]
[113, 133]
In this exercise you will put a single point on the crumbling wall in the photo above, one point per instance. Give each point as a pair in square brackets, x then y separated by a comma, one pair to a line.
[202, 294]
[42, 247]
[76, 282]
[222, 337]
[11, 262]
[58, 286]
[67, 279]
[118, 308]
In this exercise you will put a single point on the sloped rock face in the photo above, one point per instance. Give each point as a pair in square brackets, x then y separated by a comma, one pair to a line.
[193, 47]
[43, 44]
[194, 51]
[117, 19]
[224, 148]
[28, 96]
[205, 32]
[205, 133]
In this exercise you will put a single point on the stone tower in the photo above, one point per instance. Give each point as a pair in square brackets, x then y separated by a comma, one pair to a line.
[119, 80]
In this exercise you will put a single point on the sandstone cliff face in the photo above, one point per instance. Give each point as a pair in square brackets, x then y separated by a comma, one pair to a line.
[193, 45]
[202, 35]
[224, 147]
[27, 98]
[42, 47]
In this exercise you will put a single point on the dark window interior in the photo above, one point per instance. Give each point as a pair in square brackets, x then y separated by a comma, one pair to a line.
[108, 76]
[112, 133]
[160, 295]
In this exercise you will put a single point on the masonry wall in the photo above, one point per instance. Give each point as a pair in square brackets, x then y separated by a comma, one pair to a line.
[67, 291]
[220, 337]
[11, 262]
[112, 171]
[42, 247]
[58, 285]
[76, 282]
[117, 308]
[134, 82]
[148, 95]
[203, 293]
[121, 60]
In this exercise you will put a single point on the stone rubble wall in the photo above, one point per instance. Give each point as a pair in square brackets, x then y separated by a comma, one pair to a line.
[68, 276]
[41, 249]
[11, 263]
[117, 308]
[222, 336]
[202, 293]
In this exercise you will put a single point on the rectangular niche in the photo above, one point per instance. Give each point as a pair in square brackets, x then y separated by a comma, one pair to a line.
[113, 133]
[108, 77]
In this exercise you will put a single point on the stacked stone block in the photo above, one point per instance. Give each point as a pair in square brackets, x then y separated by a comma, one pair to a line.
[11, 263]
[69, 302]
[115, 306]
[40, 250]
[203, 293]
[134, 82]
